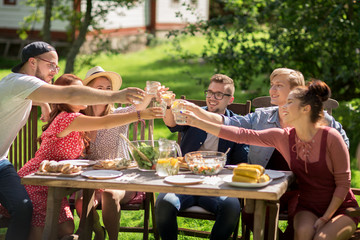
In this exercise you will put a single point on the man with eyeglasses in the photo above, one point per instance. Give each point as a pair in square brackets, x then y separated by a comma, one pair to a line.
[29, 85]
[219, 95]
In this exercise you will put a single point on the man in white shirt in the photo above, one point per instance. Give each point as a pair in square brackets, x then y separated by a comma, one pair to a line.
[29, 85]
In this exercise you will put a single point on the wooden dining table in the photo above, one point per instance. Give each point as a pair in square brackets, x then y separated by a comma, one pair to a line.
[256, 199]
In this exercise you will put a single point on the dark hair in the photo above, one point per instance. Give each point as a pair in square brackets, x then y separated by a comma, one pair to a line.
[314, 94]
[57, 108]
[221, 78]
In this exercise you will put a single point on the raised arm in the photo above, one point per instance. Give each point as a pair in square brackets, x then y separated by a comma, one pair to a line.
[79, 95]
[203, 114]
[90, 123]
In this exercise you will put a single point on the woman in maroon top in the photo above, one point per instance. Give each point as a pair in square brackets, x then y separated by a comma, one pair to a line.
[316, 154]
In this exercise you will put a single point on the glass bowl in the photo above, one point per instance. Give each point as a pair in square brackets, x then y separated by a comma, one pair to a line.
[151, 151]
[205, 162]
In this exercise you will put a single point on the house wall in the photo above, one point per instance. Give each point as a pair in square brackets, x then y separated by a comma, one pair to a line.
[123, 26]
[12, 15]
[166, 11]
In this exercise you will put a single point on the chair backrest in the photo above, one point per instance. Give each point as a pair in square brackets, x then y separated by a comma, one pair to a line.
[238, 108]
[141, 130]
[264, 101]
[25, 144]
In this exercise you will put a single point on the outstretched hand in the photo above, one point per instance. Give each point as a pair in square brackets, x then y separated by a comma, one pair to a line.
[131, 95]
[191, 118]
[189, 105]
[151, 113]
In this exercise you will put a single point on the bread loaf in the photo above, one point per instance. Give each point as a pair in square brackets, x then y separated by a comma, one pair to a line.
[58, 167]
[42, 165]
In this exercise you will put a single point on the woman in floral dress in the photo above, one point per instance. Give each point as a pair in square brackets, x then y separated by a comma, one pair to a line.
[64, 138]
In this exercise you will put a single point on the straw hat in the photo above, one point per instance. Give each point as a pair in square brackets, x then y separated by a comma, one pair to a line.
[98, 71]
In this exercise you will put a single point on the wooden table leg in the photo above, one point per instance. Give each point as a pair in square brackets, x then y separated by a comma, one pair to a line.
[55, 196]
[273, 220]
[259, 219]
[249, 205]
[87, 217]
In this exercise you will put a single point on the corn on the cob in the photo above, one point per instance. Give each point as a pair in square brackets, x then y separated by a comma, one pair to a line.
[257, 166]
[239, 178]
[249, 172]
[264, 178]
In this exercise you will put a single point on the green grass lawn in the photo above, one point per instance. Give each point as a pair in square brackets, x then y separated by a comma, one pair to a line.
[158, 64]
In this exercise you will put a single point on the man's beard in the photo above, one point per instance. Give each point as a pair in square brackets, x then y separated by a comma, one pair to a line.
[39, 75]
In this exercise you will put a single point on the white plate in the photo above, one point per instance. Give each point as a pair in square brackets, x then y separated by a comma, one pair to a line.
[80, 162]
[183, 180]
[102, 174]
[228, 180]
[273, 174]
[230, 167]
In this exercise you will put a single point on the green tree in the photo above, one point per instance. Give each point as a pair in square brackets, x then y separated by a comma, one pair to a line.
[248, 39]
[79, 22]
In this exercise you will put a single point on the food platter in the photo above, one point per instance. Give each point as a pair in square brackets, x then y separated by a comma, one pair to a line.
[228, 180]
[183, 180]
[79, 162]
[273, 174]
[102, 174]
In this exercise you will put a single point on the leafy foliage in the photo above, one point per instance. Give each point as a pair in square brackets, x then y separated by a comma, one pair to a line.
[348, 114]
[248, 39]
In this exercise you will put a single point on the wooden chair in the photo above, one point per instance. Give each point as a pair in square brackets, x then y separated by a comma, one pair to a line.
[355, 212]
[23, 149]
[140, 130]
[25, 144]
[197, 212]
[148, 205]
[264, 101]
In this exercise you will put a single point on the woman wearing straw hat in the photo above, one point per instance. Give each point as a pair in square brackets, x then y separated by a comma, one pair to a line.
[106, 144]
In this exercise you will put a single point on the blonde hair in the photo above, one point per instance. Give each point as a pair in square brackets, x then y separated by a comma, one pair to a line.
[295, 77]
[221, 78]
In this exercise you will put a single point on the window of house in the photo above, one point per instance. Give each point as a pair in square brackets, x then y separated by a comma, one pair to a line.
[176, 1]
[9, 2]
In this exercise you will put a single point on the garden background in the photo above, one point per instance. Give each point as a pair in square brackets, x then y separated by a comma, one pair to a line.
[247, 40]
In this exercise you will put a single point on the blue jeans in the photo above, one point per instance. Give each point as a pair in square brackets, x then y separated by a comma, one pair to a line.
[227, 211]
[15, 199]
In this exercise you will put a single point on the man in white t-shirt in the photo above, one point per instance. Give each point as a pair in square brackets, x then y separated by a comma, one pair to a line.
[29, 85]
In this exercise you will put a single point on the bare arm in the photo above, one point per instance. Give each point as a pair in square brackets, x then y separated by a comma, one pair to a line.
[334, 205]
[203, 114]
[80, 95]
[207, 126]
[169, 118]
[89, 123]
[145, 102]
[45, 111]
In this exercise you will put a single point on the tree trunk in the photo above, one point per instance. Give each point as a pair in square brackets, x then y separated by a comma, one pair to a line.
[47, 21]
[78, 42]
